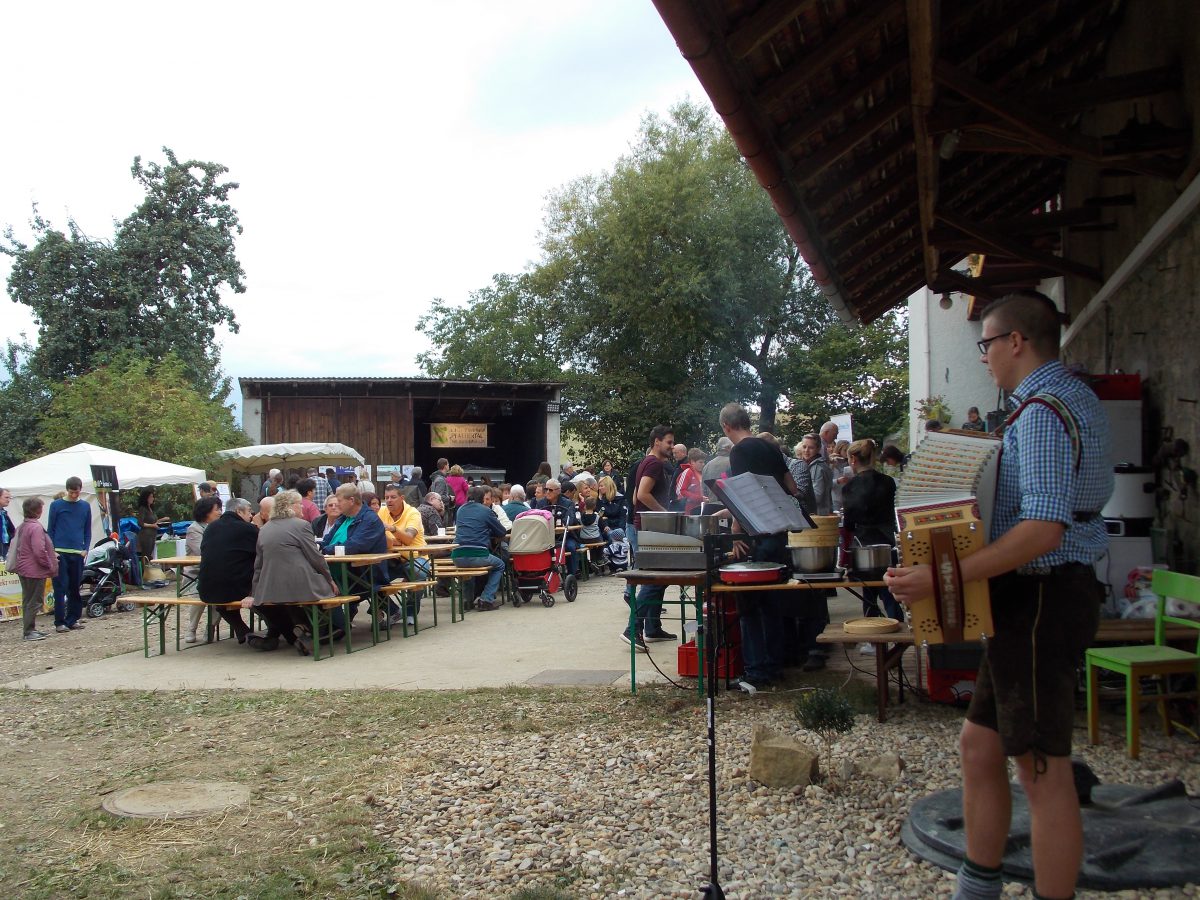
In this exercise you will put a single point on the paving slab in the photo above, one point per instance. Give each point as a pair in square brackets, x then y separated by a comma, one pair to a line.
[489, 649]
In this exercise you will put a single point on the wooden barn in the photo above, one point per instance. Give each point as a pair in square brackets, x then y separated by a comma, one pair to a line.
[491, 426]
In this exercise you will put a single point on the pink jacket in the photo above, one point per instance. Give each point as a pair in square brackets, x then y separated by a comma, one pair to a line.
[35, 553]
[459, 485]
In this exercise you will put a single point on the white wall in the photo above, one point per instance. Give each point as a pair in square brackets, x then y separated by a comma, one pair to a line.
[943, 359]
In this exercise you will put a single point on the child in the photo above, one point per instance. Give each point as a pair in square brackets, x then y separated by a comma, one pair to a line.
[617, 551]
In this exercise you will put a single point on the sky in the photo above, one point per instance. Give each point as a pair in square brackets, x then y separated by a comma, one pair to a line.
[386, 155]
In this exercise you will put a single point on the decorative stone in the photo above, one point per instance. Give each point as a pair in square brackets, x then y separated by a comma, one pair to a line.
[175, 799]
[886, 767]
[780, 761]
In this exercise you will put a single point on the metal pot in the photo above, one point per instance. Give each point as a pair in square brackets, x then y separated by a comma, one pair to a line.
[699, 526]
[873, 559]
[662, 522]
[811, 560]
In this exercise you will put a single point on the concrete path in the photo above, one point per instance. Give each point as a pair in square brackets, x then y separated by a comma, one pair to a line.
[569, 644]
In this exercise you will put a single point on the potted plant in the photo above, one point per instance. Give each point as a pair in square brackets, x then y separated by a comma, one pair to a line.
[934, 408]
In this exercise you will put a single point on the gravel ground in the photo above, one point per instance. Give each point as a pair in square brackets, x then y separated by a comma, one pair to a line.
[604, 812]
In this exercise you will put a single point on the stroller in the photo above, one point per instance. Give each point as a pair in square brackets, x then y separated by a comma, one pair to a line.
[537, 565]
[106, 571]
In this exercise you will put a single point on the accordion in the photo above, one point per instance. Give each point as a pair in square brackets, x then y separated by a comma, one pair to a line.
[943, 511]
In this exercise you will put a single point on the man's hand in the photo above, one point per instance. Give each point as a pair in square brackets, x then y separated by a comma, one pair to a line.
[740, 549]
[247, 602]
[909, 584]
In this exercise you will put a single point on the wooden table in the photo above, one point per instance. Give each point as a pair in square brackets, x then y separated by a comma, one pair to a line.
[356, 582]
[889, 653]
[184, 583]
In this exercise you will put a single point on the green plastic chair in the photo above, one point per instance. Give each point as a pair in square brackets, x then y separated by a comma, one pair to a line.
[1155, 660]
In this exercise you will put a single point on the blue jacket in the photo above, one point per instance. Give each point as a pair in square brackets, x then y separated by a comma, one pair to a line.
[6, 532]
[365, 535]
[475, 525]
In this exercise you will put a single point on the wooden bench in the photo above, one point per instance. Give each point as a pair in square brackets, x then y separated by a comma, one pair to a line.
[157, 609]
[405, 587]
[456, 579]
[585, 561]
[314, 609]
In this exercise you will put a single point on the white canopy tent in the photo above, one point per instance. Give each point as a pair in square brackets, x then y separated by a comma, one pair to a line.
[262, 458]
[46, 476]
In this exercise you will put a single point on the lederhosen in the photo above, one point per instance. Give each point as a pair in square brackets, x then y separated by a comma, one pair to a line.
[1045, 617]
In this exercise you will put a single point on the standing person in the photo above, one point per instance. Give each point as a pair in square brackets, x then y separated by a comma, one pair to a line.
[70, 531]
[272, 484]
[307, 489]
[320, 488]
[6, 524]
[35, 562]
[440, 486]
[607, 468]
[717, 467]
[869, 504]
[650, 486]
[811, 473]
[828, 435]
[1054, 477]
[689, 492]
[758, 615]
[457, 482]
[148, 519]
[331, 479]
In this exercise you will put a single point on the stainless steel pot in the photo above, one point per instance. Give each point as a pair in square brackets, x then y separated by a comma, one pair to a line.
[873, 558]
[698, 526]
[812, 560]
[662, 522]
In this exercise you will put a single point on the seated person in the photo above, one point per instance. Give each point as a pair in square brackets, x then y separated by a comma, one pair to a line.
[477, 526]
[289, 568]
[263, 516]
[204, 513]
[431, 510]
[498, 508]
[227, 564]
[563, 504]
[402, 527]
[516, 502]
[589, 533]
[360, 530]
[328, 520]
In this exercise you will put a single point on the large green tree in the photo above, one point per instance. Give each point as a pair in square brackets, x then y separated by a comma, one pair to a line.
[155, 287]
[138, 406]
[666, 288]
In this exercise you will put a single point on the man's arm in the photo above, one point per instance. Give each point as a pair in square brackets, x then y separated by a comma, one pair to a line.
[365, 537]
[645, 494]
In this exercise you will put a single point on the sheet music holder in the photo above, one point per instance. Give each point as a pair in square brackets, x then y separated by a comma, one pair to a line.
[760, 504]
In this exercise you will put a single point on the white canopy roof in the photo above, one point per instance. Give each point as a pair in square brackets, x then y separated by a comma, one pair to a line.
[264, 457]
[48, 474]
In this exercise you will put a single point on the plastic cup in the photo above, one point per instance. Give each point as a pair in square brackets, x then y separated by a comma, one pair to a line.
[339, 550]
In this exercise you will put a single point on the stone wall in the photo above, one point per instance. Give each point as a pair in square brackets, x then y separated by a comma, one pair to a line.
[1152, 326]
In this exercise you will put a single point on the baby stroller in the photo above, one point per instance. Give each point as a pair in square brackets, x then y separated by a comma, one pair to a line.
[106, 571]
[537, 564]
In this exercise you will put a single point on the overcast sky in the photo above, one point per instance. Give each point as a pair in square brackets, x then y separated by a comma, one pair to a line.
[387, 153]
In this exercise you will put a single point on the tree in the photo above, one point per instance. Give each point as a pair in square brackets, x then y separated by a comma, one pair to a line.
[665, 289]
[156, 287]
[24, 398]
[143, 407]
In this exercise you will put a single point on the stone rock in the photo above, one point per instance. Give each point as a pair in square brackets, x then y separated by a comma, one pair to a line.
[886, 767]
[780, 761]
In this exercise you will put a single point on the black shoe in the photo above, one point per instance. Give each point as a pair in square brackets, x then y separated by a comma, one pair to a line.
[813, 664]
[486, 605]
[660, 635]
[303, 643]
[637, 641]
[258, 642]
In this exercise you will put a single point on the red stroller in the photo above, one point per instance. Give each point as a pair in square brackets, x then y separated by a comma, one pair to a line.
[539, 567]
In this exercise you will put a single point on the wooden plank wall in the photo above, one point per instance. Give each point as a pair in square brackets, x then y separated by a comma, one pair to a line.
[380, 428]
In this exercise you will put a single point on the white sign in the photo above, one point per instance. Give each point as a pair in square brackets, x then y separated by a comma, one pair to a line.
[845, 427]
[458, 434]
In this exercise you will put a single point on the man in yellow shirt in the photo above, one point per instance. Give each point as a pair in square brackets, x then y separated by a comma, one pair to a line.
[402, 527]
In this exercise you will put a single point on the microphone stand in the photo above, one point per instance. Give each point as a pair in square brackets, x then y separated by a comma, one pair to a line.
[711, 891]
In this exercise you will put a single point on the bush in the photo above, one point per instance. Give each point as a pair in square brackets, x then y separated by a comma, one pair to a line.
[826, 712]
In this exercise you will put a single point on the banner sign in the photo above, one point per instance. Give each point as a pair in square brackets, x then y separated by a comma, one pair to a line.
[458, 434]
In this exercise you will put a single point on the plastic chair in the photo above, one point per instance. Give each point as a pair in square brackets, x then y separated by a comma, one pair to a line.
[1155, 660]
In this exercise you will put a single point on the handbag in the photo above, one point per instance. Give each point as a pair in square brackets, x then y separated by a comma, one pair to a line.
[11, 559]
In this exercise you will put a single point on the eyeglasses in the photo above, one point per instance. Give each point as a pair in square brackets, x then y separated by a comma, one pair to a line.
[983, 345]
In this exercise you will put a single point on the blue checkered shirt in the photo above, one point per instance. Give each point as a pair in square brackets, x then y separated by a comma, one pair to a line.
[1038, 478]
[321, 494]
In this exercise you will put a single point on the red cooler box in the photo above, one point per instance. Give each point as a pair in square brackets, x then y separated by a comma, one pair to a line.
[729, 661]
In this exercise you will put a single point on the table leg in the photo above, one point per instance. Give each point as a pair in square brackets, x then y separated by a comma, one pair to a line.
[701, 656]
[632, 643]
[881, 688]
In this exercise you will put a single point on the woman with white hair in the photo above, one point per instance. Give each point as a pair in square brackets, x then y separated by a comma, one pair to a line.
[288, 569]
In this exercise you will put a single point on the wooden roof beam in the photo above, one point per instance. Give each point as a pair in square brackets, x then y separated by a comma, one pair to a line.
[890, 150]
[924, 17]
[993, 242]
[950, 281]
[1074, 98]
[840, 42]
[1033, 224]
[808, 168]
[759, 26]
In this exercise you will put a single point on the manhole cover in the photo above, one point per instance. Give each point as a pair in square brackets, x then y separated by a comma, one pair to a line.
[176, 799]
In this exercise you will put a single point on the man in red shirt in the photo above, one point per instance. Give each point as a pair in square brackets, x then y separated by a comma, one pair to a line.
[651, 487]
